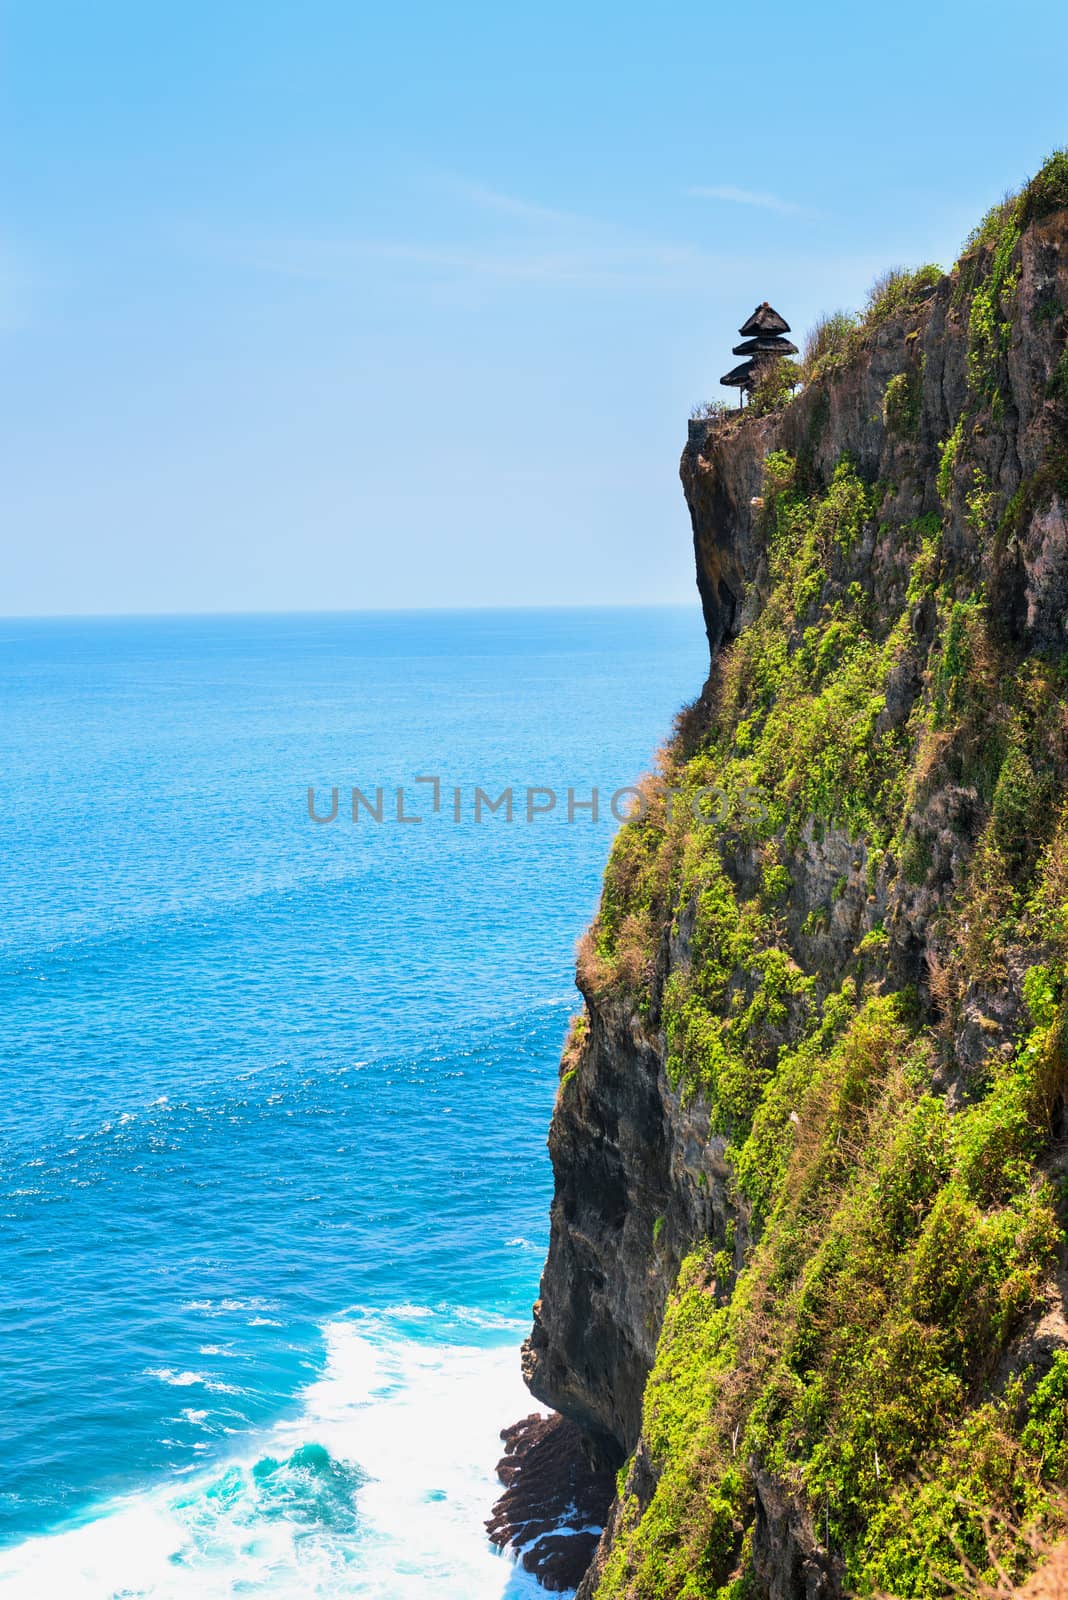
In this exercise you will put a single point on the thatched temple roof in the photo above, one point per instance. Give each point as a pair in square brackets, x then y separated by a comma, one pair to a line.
[774, 346]
[740, 377]
[764, 320]
[764, 346]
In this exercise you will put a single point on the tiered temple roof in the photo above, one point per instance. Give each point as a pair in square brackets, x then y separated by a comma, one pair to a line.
[764, 342]
[764, 321]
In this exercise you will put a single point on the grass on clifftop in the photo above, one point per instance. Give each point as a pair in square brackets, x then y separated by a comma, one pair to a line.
[986, 280]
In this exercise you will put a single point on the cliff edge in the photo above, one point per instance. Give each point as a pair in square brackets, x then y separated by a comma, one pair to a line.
[806, 1280]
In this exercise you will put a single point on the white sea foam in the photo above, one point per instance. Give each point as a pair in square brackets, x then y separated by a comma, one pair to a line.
[378, 1488]
[186, 1380]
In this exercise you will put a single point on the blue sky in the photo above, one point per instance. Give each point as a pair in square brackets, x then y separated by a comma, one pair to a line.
[330, 306]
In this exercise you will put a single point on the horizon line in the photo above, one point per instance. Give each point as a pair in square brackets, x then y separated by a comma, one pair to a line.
[349, 611]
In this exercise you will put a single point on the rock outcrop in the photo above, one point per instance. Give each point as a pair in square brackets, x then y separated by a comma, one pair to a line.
[554, 1504]
[950, 413]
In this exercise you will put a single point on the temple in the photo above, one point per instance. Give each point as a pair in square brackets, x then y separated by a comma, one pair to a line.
[764, 341]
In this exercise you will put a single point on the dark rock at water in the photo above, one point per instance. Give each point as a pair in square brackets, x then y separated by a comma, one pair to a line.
[554, 1503]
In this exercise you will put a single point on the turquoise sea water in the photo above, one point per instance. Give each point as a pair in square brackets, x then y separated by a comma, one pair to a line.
[273, 1186]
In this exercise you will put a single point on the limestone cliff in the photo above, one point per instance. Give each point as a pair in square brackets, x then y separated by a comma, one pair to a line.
[805, 1282]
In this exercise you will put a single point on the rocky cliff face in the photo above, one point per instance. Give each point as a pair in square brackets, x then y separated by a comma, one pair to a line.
[785, 1103]
[638, 1178]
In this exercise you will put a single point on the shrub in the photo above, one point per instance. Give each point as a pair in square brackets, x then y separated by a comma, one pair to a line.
[711, 411]
[947, 461]
[903, 403]
[953, 671]
[1047, 191]
[993, 295]
[595, 972]
[1043, 194]
[899, 289]
[577, 1034]
[990, 315]
[780, 471]
[979, 503]
[843, 510]
[1046, 1431]
[827, 344]
[776, 382]
[990, 227]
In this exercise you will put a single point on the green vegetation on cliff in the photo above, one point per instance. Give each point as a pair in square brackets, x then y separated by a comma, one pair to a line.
[858, 1348]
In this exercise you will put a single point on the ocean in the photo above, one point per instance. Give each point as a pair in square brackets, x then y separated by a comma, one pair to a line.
[273, 1181]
